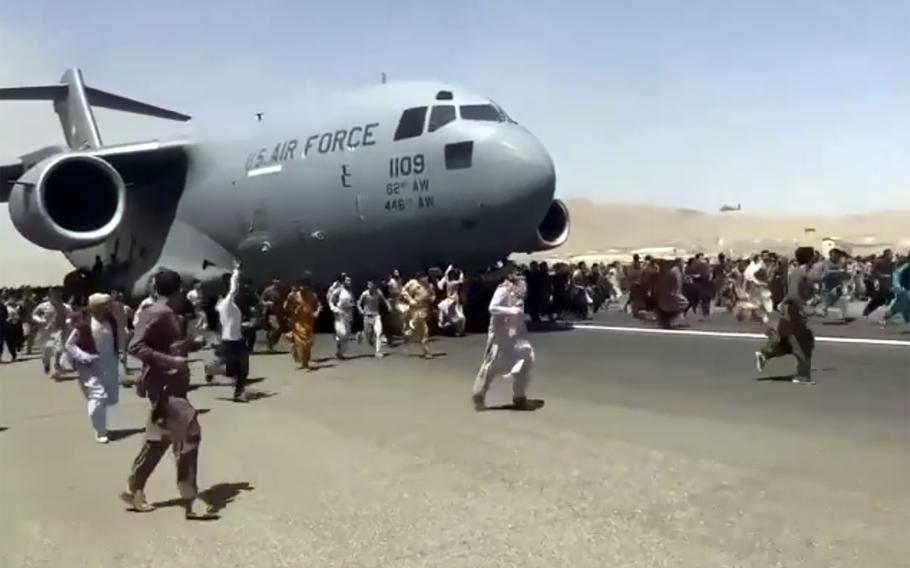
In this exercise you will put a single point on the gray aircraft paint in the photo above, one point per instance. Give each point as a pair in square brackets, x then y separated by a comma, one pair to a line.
[334, 193]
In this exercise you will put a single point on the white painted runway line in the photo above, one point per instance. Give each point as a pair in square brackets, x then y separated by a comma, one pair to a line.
[736, 335]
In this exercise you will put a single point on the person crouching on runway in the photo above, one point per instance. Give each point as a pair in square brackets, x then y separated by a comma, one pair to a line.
[508, 350]
[233, 348]
[369, 305]
[792, 335]
[92, 345]
[302, 309]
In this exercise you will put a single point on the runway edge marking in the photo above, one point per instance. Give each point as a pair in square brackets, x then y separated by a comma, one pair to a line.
[736, 334]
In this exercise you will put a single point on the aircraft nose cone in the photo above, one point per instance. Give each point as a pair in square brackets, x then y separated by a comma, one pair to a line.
[529, 175]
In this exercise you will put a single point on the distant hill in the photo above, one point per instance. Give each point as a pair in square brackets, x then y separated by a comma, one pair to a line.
[595, 227]
[600, 226]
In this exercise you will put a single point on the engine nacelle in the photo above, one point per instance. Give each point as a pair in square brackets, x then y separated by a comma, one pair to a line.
[68, 202]
[553, 230]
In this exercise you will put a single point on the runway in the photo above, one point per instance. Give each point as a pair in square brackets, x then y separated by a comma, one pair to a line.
[651, 450]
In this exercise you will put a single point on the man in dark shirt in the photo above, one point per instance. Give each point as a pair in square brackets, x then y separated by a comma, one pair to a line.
[880, 293]
[160, 343]
[792, 335]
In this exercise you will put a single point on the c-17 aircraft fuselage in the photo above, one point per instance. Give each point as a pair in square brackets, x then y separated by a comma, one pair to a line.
[399, 175]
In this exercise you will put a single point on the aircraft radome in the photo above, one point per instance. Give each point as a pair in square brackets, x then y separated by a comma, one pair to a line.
[399, 175]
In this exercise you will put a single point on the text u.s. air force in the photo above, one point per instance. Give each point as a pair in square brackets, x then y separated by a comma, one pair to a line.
[323, 143]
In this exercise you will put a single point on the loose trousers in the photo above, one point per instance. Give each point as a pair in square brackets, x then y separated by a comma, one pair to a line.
[185, 447]
[506, 356]
[792, 337]
[372, 328]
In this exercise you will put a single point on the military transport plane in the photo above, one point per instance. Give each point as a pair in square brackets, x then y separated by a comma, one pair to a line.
[399, 175]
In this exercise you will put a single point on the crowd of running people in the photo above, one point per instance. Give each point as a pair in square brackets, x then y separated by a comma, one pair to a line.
[667, 290]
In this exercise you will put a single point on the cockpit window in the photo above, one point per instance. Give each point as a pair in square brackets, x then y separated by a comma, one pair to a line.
[411, 123]
[481, 112]
[440, 116]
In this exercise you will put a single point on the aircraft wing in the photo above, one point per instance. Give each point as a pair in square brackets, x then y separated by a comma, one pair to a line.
[8, 175]
[130, 160]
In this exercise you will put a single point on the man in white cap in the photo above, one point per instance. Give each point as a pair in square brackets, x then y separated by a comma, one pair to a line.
[92, 345]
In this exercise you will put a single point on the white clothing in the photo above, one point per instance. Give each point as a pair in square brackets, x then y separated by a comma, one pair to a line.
[143, 305]
[51, 325]
[369, 305]
[194, 297]
[229, 315]
[341, 302]
[508, 351]
[99, 376]
[750, 275]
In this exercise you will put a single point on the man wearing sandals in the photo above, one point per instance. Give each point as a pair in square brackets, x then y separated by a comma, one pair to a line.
[160, 343]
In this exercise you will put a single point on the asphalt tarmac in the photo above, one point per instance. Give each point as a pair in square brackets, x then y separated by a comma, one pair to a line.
[652, 449]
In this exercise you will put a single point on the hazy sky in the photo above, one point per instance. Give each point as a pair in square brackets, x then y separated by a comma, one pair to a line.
[780, 105]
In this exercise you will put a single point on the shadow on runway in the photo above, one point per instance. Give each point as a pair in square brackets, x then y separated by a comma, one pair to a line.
[839, 323]
[420, 355]
[217, 497]
[228, 383]
[123, 433]
[220, 495]
[533, 404]
[203, 410]
[358, 356]
[66, 378]
[21, 359]
[777, 378]
[3, 428]
[545, 327]
[267, 353]
[249, 396]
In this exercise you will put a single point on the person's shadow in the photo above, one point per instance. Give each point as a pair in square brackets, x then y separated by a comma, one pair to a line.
[217, 497]
[220, 495]
[533, 405]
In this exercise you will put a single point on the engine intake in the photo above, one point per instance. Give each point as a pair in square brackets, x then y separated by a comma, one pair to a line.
[68, 202]
[553, 230]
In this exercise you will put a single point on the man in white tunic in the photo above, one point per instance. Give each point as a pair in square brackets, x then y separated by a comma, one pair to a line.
[508, 351]
[369, 305]
[341, 302]
[756, 284]
[92, 345]
[50, 319]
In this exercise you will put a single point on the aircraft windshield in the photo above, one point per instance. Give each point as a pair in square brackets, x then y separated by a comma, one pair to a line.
[486, 112]
[440, 116]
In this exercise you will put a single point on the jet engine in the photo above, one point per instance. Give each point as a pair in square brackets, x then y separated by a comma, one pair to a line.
[553, 230]
[68, 202]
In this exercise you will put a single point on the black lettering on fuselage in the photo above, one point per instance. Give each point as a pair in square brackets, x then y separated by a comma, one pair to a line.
[325, 143]
[334, 141]
[309, 143]
[351, 137]
[368, 134]
[338, 142]
[289, 149]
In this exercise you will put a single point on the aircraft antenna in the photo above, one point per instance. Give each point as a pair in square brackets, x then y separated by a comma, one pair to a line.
[259, 116]
[383, 78]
